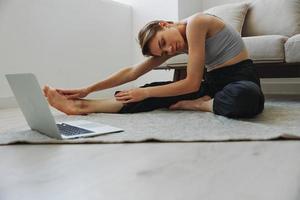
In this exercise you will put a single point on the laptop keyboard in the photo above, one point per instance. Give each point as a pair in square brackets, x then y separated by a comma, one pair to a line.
[69, 130]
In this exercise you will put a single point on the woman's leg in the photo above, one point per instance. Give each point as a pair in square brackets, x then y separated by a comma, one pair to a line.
[204, 104]
[153, 103]
[81, 106]
[239, 99]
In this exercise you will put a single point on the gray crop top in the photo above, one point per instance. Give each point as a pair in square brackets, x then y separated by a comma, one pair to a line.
[222, 46]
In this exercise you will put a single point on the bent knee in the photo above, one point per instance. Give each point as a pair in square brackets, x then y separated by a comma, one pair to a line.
[239, 99]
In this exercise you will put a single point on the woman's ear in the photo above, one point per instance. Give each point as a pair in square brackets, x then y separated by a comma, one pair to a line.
[163, 24]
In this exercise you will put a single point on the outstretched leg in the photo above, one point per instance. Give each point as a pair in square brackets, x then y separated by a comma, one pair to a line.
[81, 106]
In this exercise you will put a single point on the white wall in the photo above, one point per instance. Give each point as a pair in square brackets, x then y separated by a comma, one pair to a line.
[66, 43]
[187, 8]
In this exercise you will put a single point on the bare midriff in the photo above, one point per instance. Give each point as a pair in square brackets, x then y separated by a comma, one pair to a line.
[243, 55]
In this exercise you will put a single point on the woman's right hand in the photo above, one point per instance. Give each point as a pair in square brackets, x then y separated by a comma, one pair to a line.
[74, 93]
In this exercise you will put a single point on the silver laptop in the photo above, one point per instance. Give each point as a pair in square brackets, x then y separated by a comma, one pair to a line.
[39, 117]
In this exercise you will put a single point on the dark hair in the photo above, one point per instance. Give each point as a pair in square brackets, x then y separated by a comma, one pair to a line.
[147, 33]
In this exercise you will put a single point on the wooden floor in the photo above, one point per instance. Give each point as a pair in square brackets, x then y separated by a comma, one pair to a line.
[233, 170]
[149, 171]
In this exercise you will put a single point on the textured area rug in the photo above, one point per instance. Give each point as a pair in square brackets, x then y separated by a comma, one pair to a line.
[280, 119]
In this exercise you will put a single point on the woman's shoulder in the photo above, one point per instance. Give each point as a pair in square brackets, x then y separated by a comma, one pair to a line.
[203, 23]
[197, 18]
[199, 23]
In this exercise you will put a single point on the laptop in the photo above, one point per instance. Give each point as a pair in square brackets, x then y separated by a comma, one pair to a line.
[35, 108]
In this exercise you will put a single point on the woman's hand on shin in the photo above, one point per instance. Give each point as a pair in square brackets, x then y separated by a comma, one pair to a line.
[132, 95]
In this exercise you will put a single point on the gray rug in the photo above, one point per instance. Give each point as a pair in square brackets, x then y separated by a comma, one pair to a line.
[280, 119]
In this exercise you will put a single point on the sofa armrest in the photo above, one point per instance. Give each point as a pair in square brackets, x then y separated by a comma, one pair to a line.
[292, 49]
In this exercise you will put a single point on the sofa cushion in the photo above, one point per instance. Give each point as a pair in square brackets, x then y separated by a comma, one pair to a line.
[262, 49]
[267, 48]
[272, 17]
[233, 14]
[292, 49]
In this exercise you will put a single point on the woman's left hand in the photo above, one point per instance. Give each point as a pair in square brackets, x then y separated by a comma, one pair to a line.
[132, 95]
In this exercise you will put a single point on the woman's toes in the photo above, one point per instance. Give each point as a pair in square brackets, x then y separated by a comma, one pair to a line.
[179, 105]
[50, 94]
[206, 98]
[174, 106]
[45, 90]
[187, 105]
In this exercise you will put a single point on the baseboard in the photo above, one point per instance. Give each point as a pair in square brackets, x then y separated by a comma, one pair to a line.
[8, 102]
[281, 88]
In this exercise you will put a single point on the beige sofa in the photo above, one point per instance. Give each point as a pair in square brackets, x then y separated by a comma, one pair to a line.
[270, 30]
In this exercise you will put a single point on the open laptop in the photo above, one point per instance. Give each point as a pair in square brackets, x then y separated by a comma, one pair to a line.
[35, 108]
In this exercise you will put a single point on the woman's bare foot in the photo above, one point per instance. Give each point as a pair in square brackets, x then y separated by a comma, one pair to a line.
[202, 104]
[60, 102]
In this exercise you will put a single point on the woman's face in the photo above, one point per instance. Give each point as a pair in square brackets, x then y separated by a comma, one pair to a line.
[168, 41]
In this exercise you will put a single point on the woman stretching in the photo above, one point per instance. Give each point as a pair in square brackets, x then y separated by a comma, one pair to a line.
[220, 76]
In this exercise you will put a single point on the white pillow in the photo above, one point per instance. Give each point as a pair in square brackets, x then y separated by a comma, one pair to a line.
[233, 14]
[273, 17]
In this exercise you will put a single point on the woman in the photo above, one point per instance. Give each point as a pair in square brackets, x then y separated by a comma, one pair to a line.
[230, 88]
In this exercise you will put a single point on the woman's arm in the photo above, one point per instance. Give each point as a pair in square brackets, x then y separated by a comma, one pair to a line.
[121, 77]
[125, 75]
[128, 74]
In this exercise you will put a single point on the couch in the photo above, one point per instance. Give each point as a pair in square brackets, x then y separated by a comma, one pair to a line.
[270, 30]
